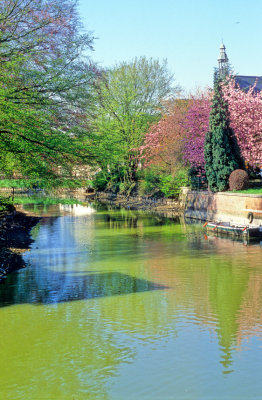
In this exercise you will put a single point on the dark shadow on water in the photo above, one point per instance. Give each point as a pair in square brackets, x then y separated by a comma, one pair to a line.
[48, 287]
[9, 262]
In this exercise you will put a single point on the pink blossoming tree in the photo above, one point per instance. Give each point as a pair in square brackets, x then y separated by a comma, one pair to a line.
[245, 109]
[182, 131]
[196, 125]
[163, 145]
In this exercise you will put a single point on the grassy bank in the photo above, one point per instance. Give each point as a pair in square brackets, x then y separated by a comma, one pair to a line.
[38, 183]
[249, 191]
[44, 200]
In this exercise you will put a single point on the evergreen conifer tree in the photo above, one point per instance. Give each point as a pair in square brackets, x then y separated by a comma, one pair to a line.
[221, 151]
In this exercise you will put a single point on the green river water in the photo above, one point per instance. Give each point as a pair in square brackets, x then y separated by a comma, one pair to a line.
[125, 305]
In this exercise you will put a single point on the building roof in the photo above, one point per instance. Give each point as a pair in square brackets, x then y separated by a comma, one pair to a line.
[245, 82]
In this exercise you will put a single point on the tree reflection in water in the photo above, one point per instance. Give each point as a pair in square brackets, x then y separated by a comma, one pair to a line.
[59, 287]
[214, 284]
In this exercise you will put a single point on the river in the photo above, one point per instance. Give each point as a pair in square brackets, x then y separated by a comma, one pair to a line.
[123, 305]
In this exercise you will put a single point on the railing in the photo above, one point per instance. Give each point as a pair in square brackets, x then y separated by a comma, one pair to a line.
[198, 183]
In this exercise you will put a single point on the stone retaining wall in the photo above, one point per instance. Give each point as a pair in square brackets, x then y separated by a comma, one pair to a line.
[229, 207]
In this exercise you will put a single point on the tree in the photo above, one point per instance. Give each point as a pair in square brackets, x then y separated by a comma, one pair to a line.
[45, 85]
[129, 99]
[164, 142]
[221, 150]
[245, 108]
[196, 125]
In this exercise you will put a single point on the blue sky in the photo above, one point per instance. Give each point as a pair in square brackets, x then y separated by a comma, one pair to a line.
[187, 33]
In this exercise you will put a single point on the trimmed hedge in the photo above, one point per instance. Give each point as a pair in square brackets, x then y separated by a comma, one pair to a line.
[238, 180]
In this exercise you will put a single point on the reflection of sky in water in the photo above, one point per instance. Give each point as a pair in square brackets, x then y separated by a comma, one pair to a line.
[124, 305]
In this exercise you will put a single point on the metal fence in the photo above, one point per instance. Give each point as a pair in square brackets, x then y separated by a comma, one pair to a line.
[198, 183]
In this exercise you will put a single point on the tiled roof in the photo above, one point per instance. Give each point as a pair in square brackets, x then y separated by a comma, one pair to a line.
[245, 82]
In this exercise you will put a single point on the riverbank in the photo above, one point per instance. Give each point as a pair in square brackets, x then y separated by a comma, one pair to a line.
[235, 208]
[15, 239]
[164, 206]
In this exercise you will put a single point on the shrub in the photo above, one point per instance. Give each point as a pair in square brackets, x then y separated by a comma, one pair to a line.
[149, 185]
[238, 180]
[170, 184]
[100, 181]
[6, 205]
[160, 184]
[127, 188]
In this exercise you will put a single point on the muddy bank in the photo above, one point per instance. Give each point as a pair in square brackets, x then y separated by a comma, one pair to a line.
[15, 239]
[165, 207]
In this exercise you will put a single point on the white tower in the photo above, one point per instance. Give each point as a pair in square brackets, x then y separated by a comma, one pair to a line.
[222, 61]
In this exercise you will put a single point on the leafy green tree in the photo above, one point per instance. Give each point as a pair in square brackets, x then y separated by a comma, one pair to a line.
[129, 99]
[45, 86]
[221, 150]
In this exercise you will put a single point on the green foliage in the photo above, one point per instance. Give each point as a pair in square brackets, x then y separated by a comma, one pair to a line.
[159, 184]
[128, 101]
[100, 181]
[149, 184]
[45, 87]
[170, 184]
[221, 151]
[6, 205]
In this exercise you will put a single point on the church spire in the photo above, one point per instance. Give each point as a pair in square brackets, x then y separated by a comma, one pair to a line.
[223, 65]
